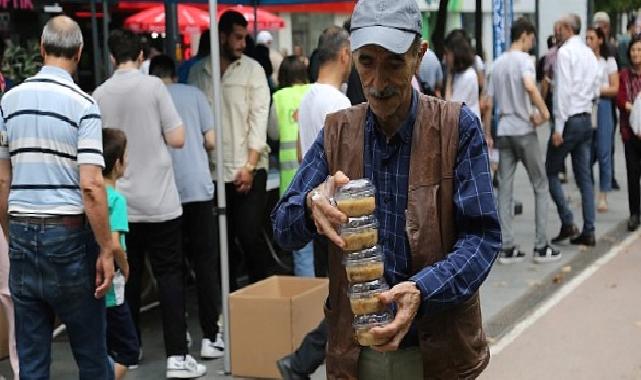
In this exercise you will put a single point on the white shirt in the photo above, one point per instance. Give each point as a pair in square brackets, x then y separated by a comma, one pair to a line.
[606, 68]
[320, 100]
[576, 76]
[465, 88]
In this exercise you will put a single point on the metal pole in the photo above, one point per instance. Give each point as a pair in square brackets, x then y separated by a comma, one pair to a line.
[171, 28]
[105, 37]
[220, 180]
[95, 47]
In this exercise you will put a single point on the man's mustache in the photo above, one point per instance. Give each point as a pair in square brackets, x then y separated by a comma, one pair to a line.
[387, 92]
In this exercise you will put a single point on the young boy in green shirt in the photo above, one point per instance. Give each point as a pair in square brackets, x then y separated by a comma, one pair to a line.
[122, 339]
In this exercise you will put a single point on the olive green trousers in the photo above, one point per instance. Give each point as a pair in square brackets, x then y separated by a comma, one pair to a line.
[406, 364]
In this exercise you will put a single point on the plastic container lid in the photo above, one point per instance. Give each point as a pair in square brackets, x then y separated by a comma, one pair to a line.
[359, 224]
[368, 289]
[373, 254]
[358, 188]
[368, 321]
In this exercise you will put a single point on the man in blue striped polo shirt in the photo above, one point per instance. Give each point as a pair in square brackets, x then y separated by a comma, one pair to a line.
[53, 207]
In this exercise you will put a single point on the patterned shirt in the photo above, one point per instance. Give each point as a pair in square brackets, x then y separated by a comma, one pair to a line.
[49, 127]
[447, 282]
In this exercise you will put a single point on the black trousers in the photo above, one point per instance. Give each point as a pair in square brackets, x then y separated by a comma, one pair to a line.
[200, 244]
[311, 352]
[245, 219]
[633, 166]
[162, 242]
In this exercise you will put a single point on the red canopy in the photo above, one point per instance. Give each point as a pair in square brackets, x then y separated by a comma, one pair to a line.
[194, 20]
[190, 20]
[266, 20]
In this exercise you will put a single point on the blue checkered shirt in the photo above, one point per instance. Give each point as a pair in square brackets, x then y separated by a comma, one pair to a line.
[386, 163]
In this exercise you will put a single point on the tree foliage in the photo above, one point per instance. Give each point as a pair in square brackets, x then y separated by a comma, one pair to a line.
[617, 6]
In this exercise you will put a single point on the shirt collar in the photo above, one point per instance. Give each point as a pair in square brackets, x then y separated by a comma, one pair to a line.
[127, 71]
[56, 72]
[405, 132]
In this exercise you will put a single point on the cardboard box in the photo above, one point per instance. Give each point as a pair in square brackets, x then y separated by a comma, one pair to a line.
[269, 319]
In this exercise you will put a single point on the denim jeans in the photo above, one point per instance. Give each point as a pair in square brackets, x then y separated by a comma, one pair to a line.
[53, 269]
[602, 144]
[577, 141]
[304, 261]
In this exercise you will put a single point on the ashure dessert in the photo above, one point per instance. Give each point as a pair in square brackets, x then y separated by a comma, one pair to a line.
[363, 297]
[364, 323]
[360, 233]
[365, 265]
[356, 198]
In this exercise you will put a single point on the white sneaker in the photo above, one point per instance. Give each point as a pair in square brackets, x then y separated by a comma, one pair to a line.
[209, 349]
[219, 343]
[184, 367]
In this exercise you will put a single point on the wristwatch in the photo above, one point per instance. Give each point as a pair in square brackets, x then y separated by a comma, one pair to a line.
[251, 168]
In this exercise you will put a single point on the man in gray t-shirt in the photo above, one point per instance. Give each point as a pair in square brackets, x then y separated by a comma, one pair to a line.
[196, 189]
[141, 106]
[512, 88]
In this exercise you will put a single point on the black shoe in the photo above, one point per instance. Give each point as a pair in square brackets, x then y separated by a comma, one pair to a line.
[284, 365]
[615, 185]
[546, 254]
[511, 255]
[567, 231]
[633, 223]
[584, 239]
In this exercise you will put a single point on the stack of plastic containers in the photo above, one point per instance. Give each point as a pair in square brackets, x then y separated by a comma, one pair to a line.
[363, 259]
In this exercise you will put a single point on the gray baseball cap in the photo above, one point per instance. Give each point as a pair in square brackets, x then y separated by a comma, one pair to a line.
[391, 24]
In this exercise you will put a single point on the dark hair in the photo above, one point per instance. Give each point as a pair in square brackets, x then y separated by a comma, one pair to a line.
[204, 45]
[229, 19]
[631, 23]
[347, 25]
[292, 71]
[162, 66]
[635, 39]
[462, 50]
[520, 26]
[330, 42]
[550, 42]
[603, 48]
[124, 46]
[114, 144]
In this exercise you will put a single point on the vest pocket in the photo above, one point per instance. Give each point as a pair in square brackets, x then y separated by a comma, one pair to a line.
[422, 225]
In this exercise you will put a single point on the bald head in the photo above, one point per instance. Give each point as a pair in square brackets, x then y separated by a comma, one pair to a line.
[61, 37]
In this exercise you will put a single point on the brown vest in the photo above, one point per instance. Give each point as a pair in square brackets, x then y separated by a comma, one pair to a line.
[452, 342]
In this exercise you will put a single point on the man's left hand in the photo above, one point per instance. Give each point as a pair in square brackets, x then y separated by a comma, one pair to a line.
[244, 180]
[408, 299]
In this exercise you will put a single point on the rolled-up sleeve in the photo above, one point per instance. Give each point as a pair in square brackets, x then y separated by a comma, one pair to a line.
[293, 227]
[259, 109]
[461, 273]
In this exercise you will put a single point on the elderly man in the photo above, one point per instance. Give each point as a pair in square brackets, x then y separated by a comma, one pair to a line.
[576, 87]
[59, 239]
[439, 228]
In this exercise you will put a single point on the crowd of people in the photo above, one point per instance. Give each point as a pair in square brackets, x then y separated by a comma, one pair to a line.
[94, 186]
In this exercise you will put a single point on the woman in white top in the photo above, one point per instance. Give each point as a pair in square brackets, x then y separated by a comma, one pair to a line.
[462, 80]
[604, 133]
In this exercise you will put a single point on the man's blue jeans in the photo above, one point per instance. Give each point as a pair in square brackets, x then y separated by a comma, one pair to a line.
[52, 273]
[577, 141]
[304, 261]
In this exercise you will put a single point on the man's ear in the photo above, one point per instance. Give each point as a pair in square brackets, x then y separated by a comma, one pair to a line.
[42, 50]
[424, 46]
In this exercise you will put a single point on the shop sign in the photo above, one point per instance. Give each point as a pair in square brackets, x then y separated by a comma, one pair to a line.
[16, 4]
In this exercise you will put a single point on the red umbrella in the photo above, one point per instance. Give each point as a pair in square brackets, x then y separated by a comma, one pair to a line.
[266, 20]
[190, 20]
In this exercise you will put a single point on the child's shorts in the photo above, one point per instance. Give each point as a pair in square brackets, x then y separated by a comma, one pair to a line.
[122, 338]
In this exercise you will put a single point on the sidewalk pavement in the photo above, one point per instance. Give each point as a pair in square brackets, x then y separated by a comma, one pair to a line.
[510, 292]
[592, 333]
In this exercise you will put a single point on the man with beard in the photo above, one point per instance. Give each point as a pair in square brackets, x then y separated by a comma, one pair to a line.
[244, 121]
[438, 226]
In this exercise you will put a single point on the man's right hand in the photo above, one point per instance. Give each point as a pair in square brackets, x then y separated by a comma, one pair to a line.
[104, 271]
[326, 217]
[557, 139]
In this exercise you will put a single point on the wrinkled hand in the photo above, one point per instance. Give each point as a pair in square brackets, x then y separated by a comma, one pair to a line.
[557, 139]
[104, 271]
[408, 299]
[244, 180]
[326, 217]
